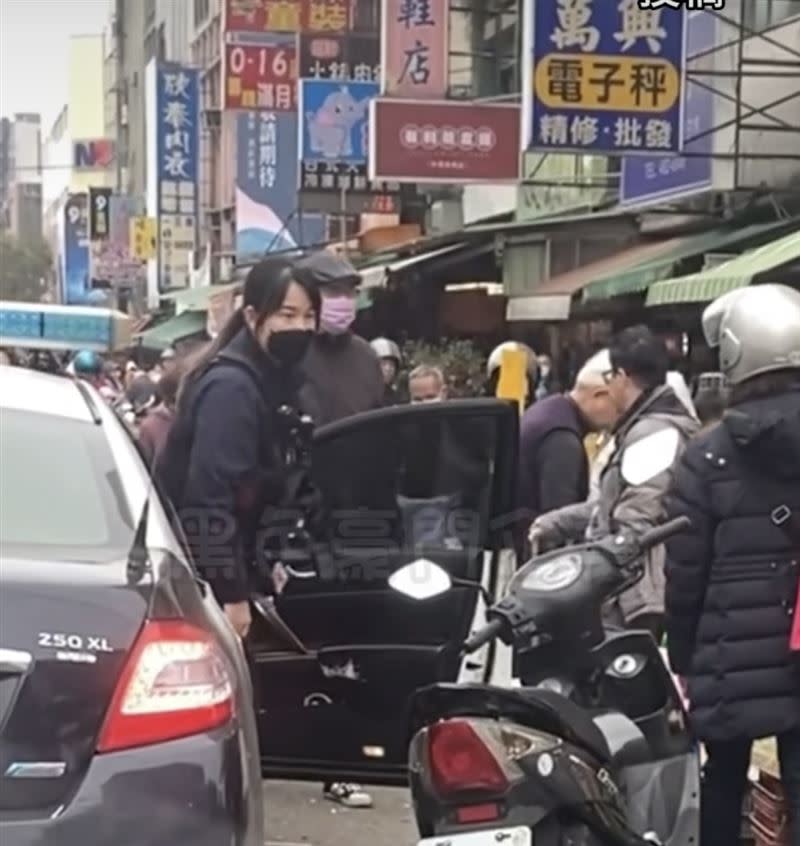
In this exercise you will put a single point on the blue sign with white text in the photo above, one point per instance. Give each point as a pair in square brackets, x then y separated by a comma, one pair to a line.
[605, 77]
[658, 179]
[267, 214]
[75, 251]
[334, 117]
[178, 141]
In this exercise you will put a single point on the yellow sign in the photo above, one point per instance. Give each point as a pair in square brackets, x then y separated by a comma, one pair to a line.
[144, 241]
[513, 381]
[606, 83]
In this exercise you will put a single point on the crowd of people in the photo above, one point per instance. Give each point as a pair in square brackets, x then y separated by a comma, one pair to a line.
[626, 447]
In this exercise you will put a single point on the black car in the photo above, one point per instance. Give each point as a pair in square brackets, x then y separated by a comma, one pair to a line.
[126, 712]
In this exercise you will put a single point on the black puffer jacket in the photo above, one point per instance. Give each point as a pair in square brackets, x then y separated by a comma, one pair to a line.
[732, 578]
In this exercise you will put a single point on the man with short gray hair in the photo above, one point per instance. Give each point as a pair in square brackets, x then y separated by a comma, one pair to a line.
[554, 469]
[427, 383]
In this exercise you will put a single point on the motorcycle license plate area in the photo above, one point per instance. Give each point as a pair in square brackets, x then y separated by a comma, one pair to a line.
[495, 837]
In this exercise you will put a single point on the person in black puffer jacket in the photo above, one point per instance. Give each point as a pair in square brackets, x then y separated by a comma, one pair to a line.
[732, 577]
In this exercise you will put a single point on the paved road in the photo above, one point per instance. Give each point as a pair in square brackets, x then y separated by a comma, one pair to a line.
[297, 815]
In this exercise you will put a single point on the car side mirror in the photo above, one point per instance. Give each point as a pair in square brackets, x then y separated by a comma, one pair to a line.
[421, 579]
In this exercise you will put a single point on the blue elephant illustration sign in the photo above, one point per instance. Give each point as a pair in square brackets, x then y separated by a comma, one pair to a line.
[335, 116]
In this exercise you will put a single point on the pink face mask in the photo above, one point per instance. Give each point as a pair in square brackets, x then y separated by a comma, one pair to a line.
[338, 314]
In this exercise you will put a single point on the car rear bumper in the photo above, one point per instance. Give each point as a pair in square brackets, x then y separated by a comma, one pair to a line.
[192, 791]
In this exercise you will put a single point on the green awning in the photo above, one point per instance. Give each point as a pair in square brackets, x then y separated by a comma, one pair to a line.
[165, 334]
[641, 277]
[737, 273]
[196, 299]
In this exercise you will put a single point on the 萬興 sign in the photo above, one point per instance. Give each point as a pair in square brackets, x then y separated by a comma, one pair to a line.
[647, 179]
[606, 77]
[444, 141]
[92, 154]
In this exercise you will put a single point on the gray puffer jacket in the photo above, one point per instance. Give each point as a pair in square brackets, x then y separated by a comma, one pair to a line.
[631, 494]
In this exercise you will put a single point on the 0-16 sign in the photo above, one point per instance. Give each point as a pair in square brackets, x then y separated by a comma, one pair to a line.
[260, 76]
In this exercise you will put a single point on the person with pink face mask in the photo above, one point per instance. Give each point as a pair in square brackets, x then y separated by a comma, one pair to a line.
[342, 372]
[342, 376]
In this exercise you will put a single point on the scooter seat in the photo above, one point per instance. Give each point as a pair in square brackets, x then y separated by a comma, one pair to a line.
[533, 707]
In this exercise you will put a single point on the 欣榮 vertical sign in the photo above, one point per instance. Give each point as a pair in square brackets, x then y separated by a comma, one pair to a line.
[605, 76]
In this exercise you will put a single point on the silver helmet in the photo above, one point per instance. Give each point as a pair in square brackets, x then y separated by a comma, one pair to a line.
[384, 348]
[496, 358]
[757, 330]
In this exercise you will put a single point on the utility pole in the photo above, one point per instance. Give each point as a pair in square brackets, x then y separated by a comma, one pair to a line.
[119, 37]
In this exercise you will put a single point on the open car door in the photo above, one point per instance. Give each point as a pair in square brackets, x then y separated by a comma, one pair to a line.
[433, 482]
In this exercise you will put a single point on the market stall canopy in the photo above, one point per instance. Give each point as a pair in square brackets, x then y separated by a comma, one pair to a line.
[37, 326]
[375, 275]
[175, 329]
[641, 277]
[552, 301]
[763, 264]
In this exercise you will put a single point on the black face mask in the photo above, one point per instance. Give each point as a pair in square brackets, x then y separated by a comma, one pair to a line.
[289, 346]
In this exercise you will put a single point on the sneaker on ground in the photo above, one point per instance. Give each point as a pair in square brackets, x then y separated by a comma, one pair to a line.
[349, 795]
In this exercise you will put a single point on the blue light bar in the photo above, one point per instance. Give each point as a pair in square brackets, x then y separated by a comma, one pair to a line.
[63, 327]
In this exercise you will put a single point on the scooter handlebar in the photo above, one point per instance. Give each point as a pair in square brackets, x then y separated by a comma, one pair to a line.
[659, 534]
[489, 632]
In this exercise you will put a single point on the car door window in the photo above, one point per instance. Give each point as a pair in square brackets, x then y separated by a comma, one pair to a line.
[399, 487]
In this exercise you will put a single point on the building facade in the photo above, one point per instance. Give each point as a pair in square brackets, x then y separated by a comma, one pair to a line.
[21, 177]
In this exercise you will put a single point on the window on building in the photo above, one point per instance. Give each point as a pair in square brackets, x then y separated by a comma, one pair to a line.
[484, 48]
[202, 10]
[760, 14]
[149, 12]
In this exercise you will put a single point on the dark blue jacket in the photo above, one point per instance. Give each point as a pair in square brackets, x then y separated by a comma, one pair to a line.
[732, 577]
[553, 466]
[226, 434]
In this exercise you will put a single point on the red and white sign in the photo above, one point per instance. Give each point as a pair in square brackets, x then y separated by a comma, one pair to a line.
[444, 141]
[260, 76]
[415, 42]
[264, 16]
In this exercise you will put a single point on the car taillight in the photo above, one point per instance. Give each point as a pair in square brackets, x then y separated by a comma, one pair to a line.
[174, 684]
[460, 762]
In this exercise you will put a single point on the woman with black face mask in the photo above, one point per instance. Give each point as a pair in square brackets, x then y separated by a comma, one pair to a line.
[223, 463]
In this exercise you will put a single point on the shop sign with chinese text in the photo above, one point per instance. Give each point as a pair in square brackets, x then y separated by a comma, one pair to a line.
[99, 214]
[261, 76]
[177, 142]
[335, 188]
[606, 77]
[443, 142]
[288, 15]
[267, 216]
[415, 44]
[334, 120]
[354, 56]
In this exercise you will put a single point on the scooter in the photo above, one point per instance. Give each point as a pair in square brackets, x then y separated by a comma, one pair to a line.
[594, 748]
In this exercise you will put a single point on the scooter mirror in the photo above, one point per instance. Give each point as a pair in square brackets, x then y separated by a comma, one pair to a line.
[421, 579]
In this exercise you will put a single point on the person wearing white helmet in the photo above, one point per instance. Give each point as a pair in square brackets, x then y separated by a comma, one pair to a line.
[732, 576]
[495, 362]
[391, 359]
